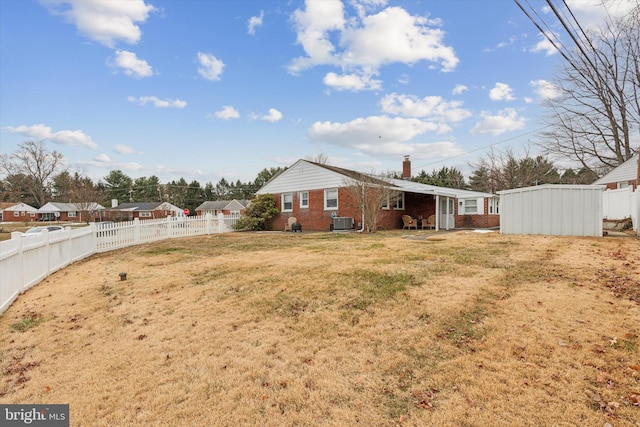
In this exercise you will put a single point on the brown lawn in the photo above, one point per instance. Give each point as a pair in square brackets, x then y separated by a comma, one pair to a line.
[458, 329]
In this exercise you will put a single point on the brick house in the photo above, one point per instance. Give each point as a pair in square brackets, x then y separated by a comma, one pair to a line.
[225, 207]
[315, 194]
[58, 211]
[142, 210]
[17, 212]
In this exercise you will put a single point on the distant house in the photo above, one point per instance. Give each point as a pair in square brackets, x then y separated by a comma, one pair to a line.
[58, 211]
[225, 207]
[17, 212]
[316, 194]
[142, 210]
[625, 175]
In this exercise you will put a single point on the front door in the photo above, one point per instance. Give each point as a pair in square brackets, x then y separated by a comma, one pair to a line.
[447, 217]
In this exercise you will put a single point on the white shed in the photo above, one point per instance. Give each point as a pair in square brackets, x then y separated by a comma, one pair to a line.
[558, 210]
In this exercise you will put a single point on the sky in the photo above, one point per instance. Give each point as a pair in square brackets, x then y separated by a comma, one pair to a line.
[204, 90]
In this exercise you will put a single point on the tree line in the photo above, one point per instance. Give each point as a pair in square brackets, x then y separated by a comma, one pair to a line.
[35, 176]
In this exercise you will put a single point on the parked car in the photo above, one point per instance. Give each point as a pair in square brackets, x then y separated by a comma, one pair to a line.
[41, 228]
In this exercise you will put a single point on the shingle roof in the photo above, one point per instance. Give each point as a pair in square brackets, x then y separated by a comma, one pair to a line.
[138, 206]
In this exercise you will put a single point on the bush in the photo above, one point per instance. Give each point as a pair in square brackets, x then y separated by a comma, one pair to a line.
[258, 215]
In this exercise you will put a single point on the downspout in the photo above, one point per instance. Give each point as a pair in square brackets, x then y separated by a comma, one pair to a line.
[362, 209]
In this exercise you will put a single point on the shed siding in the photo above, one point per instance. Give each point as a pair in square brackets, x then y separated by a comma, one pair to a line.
[563, 210]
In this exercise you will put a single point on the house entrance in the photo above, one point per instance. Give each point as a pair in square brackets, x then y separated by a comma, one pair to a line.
[447, 209]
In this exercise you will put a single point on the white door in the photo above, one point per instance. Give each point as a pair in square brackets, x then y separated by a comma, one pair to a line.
[447, 218]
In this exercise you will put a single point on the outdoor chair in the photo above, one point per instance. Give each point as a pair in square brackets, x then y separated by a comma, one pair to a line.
[409, 222]
[292, 220]
[429, 222]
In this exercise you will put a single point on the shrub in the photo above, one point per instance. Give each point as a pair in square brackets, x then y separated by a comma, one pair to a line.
[259, 214]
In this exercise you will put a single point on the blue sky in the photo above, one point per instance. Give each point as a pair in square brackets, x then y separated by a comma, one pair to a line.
[211, 89]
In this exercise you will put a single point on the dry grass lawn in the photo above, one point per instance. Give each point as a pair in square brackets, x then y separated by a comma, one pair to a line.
[458, 329]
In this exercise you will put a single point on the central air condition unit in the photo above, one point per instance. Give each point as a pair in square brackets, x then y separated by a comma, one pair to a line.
[341, 223]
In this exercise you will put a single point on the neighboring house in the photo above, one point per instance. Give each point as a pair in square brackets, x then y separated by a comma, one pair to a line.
[142, 210]
[316, 193]
[17, 212]
[81, 212]
[225, 207]
[623, 176]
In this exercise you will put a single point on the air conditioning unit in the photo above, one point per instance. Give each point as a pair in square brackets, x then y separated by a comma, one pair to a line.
[341, 223]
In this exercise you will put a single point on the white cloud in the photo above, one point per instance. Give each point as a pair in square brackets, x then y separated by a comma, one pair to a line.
[431, 107]
[504, 121]
[255, 22]
[366, 42]
[459, 89]
[123, 149]
[501, 92]
[592, 13]
[382, 135]
[227, 112]
[157, 102]
[545, 89]
[351, 82]
[545, 46]
[273, 116]
[102, 158]
[210, 66]
[105, 21]
[370, 130]
[64, 137]
[131, 65]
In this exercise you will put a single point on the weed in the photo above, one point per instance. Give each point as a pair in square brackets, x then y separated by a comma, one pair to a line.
[30, 320]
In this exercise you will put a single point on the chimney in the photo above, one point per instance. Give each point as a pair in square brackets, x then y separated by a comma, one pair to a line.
[114, 203]
[406, 168]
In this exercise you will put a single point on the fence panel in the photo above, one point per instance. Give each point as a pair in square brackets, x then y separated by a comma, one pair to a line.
[27, 260]
[616, 204]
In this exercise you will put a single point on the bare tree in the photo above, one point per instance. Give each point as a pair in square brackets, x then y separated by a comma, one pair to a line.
[370, 194]
[597, 116]
[37, 164]
[504, 170]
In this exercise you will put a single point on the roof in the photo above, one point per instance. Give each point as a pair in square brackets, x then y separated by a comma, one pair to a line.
[307, 175]
[58, 207]
[138, 206]
[17, 207]
[627, 171]
[69, 207]
[218, 205]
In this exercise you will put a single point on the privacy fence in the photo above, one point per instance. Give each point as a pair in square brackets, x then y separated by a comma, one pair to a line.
[27, 260]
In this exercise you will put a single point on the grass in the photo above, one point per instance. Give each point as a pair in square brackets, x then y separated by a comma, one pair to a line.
[335, 329]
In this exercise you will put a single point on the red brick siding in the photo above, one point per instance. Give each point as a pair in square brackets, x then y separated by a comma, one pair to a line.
[9, 217]
[477, 221]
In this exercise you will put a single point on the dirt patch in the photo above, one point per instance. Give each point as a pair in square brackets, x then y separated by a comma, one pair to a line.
[335, 329]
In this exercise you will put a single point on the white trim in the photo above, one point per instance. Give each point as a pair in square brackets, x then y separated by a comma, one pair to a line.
[330, 208]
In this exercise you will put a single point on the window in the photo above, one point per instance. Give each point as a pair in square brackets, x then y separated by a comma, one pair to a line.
[494, 206]
[623, 185]
[471, 206]
[331, 199]
[71, 214]
[16, 213]
[145, 214]
[287, 202]
[385, 204]
[398, 202]
[304, 199]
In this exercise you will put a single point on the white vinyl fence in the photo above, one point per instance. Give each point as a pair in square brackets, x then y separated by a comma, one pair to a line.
[620, 204]
[27, 260]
